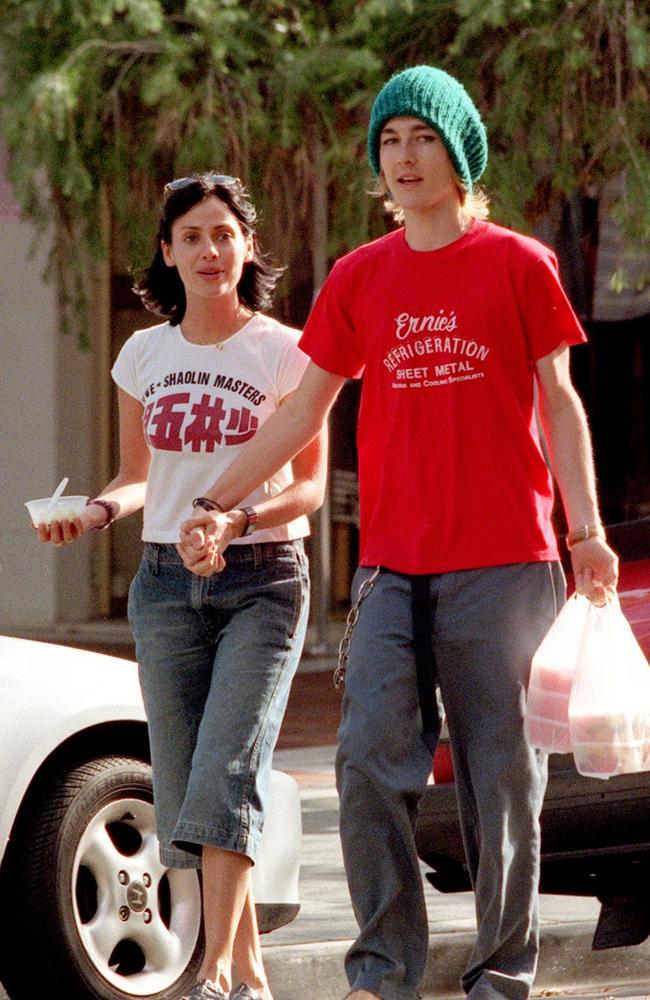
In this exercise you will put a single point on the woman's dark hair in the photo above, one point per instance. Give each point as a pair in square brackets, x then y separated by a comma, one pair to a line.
[161, 289]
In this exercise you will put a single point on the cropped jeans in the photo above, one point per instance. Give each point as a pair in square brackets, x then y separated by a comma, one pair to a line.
[485, 626]
[216, 657]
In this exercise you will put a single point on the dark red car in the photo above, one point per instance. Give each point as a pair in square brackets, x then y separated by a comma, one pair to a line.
[595, 833]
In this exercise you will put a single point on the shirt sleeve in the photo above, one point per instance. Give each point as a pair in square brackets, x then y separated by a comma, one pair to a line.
[548, 315]
[124, 372]
[330, 337]
[292, 367]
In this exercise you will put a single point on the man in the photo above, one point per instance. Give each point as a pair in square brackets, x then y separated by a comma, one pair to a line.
[461, 330]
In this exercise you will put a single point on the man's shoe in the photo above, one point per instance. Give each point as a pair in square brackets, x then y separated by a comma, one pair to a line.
[244, 992]
[204, 990]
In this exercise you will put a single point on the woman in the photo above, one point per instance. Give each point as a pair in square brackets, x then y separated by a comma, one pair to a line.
[216, 650]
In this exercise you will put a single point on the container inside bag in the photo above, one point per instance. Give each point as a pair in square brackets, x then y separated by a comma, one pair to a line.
[551, 679]
[609, 708]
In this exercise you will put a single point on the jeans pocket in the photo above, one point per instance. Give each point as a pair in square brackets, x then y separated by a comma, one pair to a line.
[288, 575]
[140, 588]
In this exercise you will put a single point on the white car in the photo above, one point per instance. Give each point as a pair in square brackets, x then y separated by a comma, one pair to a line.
[86, 908]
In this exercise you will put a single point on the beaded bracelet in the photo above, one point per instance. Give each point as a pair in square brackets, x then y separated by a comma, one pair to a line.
[110, 512]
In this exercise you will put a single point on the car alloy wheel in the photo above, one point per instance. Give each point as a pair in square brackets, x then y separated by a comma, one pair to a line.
[90, 902]
[130, 910]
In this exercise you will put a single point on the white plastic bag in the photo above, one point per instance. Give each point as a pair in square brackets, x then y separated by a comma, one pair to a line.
[609, 709]
[551, 677]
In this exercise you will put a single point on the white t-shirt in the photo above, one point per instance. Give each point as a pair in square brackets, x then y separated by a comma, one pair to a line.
[202, 403]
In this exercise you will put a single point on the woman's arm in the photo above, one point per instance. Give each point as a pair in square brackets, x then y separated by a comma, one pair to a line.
[564, 422]
[125, 492]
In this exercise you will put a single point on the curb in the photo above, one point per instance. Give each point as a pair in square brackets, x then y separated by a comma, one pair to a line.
[566, 961]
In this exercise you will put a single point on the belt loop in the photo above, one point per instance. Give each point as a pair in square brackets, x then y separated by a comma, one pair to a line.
[155, 558]
[257, 555]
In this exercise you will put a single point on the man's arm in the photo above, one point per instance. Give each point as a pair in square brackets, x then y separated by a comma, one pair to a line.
[285, 434]
[564, 422]
[303, 495]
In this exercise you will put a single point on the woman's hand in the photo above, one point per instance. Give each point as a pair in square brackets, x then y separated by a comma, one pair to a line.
[65, 532]
[205, 535]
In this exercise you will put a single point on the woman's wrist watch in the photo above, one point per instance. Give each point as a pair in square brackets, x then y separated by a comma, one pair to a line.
[251, 520]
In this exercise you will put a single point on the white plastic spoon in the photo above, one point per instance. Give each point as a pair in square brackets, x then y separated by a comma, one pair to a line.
[55, 496]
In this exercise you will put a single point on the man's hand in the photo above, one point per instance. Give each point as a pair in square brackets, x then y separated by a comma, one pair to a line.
[200, 554]
[595, 570]
[205, 536]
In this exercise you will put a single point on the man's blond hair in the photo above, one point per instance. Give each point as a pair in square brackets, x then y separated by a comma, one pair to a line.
[475, 205]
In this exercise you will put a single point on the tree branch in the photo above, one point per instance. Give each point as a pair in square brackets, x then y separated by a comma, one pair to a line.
[136, 48]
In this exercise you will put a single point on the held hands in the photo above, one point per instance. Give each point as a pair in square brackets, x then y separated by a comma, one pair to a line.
[595, 570]
[205, 535]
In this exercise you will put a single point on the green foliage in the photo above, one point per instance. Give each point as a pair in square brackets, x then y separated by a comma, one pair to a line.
[115, 96]
[107, 99]
[563, 85]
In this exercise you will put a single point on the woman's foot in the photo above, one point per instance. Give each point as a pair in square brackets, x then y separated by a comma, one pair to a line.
[204, 990]
[244, 992]
[362, 995]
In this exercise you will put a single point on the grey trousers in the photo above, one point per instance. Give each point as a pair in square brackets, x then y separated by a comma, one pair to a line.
[486, 625]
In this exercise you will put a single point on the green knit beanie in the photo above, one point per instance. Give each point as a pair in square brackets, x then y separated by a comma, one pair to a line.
[444, 104]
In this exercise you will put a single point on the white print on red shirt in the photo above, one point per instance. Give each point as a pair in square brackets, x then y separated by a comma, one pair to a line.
[453, 363]
[406, 324]
[419, 378]
[167, 427]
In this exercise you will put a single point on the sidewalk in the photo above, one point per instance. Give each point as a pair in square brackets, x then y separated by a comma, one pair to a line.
[305, 959]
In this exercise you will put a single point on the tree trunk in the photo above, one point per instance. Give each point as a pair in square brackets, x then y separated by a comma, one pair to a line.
[321, 547]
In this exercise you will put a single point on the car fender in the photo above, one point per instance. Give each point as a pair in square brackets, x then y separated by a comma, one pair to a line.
[68, 691]
[275, 876]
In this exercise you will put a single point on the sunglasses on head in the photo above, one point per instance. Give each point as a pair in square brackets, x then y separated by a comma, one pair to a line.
[182, 182]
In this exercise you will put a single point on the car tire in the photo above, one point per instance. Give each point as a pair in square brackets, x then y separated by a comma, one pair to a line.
[88, 909]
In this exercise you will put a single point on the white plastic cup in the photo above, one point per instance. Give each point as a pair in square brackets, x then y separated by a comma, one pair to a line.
[64, 509]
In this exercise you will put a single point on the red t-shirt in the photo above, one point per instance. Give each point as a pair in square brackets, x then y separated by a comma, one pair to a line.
[451, 471]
